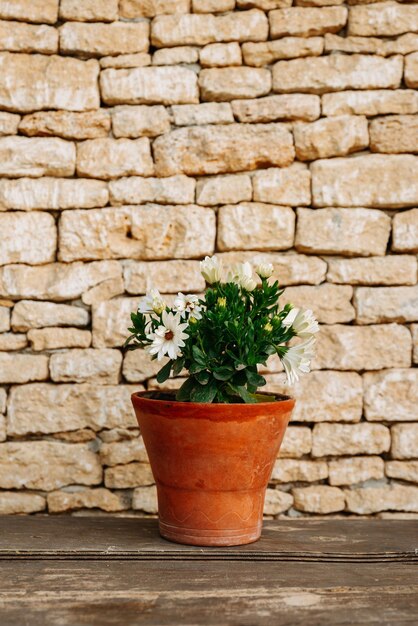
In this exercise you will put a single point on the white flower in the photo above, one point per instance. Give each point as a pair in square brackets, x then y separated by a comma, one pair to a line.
[188, 304]
[302, 321]
[297, 360]
[152, 302]
[243, 275]
[264, 270]
[169, 337]
[211, 269]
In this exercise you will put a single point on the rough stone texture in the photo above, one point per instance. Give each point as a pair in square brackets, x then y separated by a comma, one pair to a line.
[336, 73]
[350, 232]
[346, 439]
[206, 113]
[22, 368]
[34, 82]
[277, 501]
[220, 55]
[166, 276]
[47, 408]
[63, 501]
[306, 22]
[128, 476]
[390, 498]
[9, 123]
[140, 121]
[290, 185]
[223, 190]
[104, 39]
[12, 502]
[372, 45]
[397, 133]
[3, 397]
[230, 148]
[386, 304]
[47, 465]
[4, 319]
[374, 180]
[376, 102]
[360, 347]
[252, 225]
[66, 124]
[137, 190]
[404, 441]
[175, 56]
[297, 441]
[223, 84]
[110, 320]
[355, 470]
[285, 107]
[18, 37]
[26, 194]
[86, 366]
[259, 54]
[136, 232]
[20, 156]
[122, 452]
[405, 231]
[124, 61]
[331, 304]
[402, 470]
[391, 395]
[12, 341]
[414, 331]
[335, 136]
[118, 157]
[145, 499]
[43, 11]
[389, 270]
[149, 85]
[89, 10]
[28, 314]
[291, 470]
[411, 70]
[319, 499]
[132, 9]
[56, 337]
[382, 20]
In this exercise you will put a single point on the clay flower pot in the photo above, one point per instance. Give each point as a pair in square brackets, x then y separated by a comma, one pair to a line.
[211, 464]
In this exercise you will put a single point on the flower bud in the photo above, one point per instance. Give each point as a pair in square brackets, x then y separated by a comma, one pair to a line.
[264, 270]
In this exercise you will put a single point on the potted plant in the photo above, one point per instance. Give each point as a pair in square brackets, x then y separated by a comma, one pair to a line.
[213, 443]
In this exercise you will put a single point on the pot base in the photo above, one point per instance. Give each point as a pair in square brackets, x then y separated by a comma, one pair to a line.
[211, 538]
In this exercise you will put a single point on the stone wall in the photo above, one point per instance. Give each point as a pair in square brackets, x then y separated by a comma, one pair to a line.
[138, 136]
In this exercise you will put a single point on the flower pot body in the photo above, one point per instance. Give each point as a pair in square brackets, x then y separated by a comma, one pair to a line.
[211, 464]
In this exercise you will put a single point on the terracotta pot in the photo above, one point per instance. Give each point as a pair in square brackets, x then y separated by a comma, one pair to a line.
[211, 464]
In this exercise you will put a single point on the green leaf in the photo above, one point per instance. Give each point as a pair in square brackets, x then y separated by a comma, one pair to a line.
[223, 373]
[248, 398]
[198, 355]
[254, 379]
[195, 368]
[204, 393]
[178, 366]
[183, 394]
[164, 372]
[203, 377]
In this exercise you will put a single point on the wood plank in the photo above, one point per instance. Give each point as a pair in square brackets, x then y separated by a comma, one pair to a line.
[174, 593]
[115, 538]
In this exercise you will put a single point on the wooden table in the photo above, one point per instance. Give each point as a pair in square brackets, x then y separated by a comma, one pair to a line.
[75, 571]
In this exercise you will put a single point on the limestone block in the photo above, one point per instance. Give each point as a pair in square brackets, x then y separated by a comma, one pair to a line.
[132, 9]
[266, 52]
[205, 113]
[405, 231]
[145, 499]
[43, 11]
[12, 502]
[391, 395]
[277, 501]
[47, 408]
[3, 397]
[289, 268]
[151, 231]
[331, 304]
[372, 45]
[374, 102]
[4, 319]
[54, 338]
[136, 190]
[27, 238]
[104, 291]
[360, 347]
[296, 443]
[388, 270]
[212, 6]
[63, 501]
[54, 281]
[402, 470]
[29, 314]
[397, 133]
[199, 29]
[386, 304]
[225, 83]
[140, 121]
[217, 149]
[307, 22]
[385, 19]
[285, 107]
[111, 158]
[350, 232]
[128, 476]
[292, 470]
[18, 37]
[22, 368]
[355, 470]
[89, 10]
[411, 70]
[175, 56]
[149, 85]
[86, 366]
[111, 319]
[122, 452]
[253, 225]
[287, 185]
[390, 498]
[34, 82]
[96, 40]
[414, 331]
[223, 189]
[166, 276]
[337, 72]
[334, 136]
[265, 5]
[404, 441]
[319, 499]
[47, 465]
[66, 124]
[9, 123]
[375, 180]
[26, 194]
[12, 341]
[221, 55]
[345, 439]
[21, 156]
[124, 61]
[138, 367]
